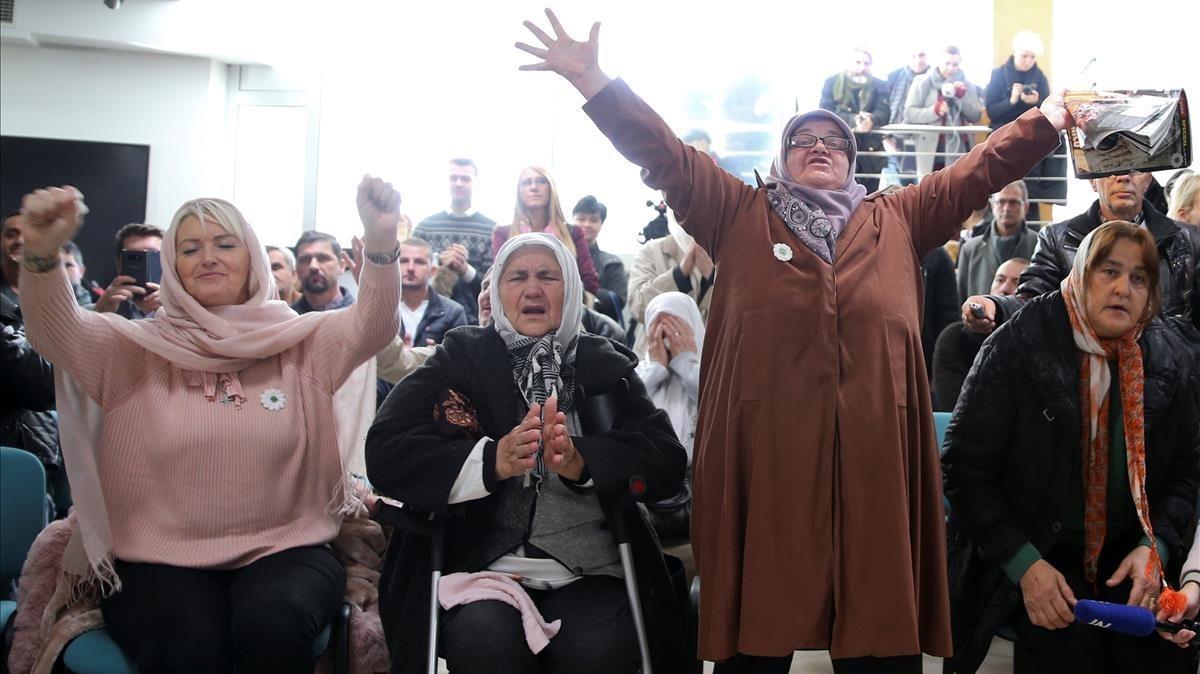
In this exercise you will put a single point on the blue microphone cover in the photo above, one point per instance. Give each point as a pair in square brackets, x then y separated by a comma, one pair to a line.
[1132, 620]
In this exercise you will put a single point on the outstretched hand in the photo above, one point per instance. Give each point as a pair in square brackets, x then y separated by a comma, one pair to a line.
[577, 62]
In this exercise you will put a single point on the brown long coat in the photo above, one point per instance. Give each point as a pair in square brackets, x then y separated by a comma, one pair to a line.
[817, 520]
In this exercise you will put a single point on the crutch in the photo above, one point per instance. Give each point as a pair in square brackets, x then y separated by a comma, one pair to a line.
[623, 506]
[423, 524]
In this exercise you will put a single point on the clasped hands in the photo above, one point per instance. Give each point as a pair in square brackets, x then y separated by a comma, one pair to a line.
[516, 453]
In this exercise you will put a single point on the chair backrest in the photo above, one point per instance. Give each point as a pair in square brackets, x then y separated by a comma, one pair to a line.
[22, 508]
[941, 420]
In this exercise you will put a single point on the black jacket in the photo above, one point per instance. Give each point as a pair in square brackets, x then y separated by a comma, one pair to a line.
[952, 358]
[999, 92]
[27, 394]
[941, 300]
[602, 325]
[612, 273]
[1058, 243]
[442, 314]
[1013, 466]
[416, 460]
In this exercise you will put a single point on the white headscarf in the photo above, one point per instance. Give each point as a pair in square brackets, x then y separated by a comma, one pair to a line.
[677, 395]
[543, 366]
[572, 312]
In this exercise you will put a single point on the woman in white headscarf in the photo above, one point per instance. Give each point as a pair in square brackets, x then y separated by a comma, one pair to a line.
[671, 366]
[520, 431]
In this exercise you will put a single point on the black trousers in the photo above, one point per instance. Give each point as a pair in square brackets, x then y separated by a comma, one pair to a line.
[1089, 650]
[758, 664]
[263, 617]
[596, 636]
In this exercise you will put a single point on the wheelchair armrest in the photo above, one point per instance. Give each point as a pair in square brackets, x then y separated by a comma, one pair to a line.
[406, 518]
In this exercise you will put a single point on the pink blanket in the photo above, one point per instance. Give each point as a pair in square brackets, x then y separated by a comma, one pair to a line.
[464, 588]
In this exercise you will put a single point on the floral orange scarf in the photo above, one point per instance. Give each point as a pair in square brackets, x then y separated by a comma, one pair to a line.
[1095, 382]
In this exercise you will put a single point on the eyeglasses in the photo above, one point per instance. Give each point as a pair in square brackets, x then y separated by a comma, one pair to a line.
[830, 142]
[539, 180]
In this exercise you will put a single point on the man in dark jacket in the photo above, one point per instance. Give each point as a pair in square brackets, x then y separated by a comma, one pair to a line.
[941, 300]
[425, 316]
[589, 215]
[1121, 197]
[26, 402]
[862, 101]
[956, 347]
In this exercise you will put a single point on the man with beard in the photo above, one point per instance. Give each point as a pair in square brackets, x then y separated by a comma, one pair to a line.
[319, 262]
[425, 316]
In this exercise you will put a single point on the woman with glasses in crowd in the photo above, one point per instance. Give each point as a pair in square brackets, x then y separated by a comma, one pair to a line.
[817, 519]
[1071, 466]
[203, 459]
[538, 210]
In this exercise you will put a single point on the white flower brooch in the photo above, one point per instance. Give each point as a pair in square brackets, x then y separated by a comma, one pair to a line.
[273, 399]
[782, 251]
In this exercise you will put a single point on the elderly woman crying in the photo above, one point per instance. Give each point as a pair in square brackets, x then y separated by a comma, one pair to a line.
[520, 433]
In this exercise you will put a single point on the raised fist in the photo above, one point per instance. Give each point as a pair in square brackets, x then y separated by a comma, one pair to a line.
[50, 217]
[379, 210]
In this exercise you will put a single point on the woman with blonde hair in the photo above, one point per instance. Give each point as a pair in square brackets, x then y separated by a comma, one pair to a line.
[202, 444]
[1185, 200]
[538, 210]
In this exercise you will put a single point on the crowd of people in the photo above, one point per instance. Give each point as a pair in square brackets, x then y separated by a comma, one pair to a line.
[767, 368]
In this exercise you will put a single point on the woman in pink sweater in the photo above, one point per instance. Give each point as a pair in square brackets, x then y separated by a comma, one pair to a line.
[201, 444]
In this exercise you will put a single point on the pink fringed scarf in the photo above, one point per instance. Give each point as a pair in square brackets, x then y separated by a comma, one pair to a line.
[211, 346]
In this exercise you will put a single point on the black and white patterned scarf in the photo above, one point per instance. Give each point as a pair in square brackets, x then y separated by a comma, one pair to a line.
[542, 366]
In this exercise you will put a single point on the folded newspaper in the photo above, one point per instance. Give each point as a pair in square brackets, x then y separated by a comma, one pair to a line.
[1121, 131]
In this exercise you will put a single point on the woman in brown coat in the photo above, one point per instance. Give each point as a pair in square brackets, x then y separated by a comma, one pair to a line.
[817, 520]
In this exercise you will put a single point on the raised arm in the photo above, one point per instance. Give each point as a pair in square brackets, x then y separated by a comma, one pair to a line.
[936, 208]
[87, 345]
[705, 198]
[351, 336]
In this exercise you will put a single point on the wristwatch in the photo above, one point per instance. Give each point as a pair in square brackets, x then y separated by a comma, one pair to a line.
[385, 258]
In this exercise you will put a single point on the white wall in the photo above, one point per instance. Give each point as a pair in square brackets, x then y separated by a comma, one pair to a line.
[174, 104]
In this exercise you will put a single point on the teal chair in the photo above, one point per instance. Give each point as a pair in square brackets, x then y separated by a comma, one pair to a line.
[22, 518]
[95, 652]
[941, 421]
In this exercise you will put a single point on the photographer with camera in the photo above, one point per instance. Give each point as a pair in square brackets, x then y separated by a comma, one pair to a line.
[124, 296]
[1018, 84]
[943, 96]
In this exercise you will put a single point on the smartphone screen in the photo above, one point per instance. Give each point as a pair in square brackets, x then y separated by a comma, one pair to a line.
[145, 266]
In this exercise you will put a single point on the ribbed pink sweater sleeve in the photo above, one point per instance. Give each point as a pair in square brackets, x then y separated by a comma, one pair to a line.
[348, 338]
[84, 343]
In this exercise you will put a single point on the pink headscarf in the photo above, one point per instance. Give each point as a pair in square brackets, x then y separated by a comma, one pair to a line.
[211, 345]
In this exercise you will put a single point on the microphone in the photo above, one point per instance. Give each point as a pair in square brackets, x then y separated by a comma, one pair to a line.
[1132, 620]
